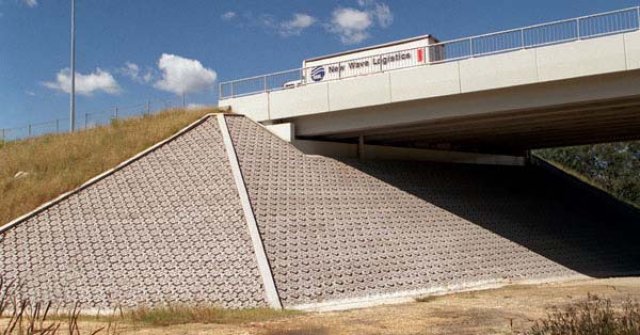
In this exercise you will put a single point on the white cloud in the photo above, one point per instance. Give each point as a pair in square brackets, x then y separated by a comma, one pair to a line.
[148, 77]
[383, 14]
[30, 3]
[296, 25]
[86, 84]
[196, 106]
[228, 16]
[30, 93]
[130, 70]
[352, 25]
[133, 72]
[182, 75]
[268, 22]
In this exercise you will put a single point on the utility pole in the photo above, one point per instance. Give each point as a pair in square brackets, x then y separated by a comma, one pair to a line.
[72, 102]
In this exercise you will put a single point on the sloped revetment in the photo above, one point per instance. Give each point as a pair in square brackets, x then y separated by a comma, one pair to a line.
[166, 228]
[169, 227]
[356, 230]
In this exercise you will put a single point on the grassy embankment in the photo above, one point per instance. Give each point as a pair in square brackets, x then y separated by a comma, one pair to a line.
[612, 167]
[53, 164]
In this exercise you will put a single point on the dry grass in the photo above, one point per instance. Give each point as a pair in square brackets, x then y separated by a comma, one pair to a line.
[58, 163]
[183, 314]
[509, 311]
[595, 316]
[20, 316]
[301, 330]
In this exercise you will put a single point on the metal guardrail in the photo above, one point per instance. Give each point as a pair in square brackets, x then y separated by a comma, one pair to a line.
[86, 120]
[556, 32]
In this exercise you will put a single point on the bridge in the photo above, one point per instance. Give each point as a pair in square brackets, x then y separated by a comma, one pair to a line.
[568, 82]
[225, 213]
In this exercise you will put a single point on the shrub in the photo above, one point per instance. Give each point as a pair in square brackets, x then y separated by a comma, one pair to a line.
[595, 316]
[612, 166]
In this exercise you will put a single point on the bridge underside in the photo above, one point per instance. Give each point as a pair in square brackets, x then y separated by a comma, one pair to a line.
[507, 121]
[514, 132]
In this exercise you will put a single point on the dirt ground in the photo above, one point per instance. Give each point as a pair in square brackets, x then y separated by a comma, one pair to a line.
[508, 310]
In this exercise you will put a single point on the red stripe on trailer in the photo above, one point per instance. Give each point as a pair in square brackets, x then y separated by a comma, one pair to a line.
[420, 55]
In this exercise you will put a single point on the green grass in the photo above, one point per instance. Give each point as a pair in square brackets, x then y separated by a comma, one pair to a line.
[183, 314]
[589, 181]
[55, 164]
[609, 166]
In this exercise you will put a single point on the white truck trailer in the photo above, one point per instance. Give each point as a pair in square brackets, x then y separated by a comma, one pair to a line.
[378, 58]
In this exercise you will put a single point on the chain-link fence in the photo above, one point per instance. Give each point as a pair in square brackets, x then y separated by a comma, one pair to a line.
[88, 119]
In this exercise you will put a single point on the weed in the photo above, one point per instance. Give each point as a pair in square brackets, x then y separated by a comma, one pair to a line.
[182, 314]
[23, 317]
[593, 316]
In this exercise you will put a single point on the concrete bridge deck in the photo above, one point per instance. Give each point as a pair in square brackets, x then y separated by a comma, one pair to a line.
[579, 92]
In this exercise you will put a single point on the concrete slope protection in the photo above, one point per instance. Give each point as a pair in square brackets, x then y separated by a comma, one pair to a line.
[170, 227]
[347, 232]
[167, 227]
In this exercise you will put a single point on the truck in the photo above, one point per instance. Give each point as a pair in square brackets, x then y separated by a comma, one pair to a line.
[373, 59]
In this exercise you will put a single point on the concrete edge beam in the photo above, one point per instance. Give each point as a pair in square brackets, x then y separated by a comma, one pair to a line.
[258, 247]
[410, 296]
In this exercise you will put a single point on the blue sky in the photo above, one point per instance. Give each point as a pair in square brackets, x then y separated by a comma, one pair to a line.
[130, 51]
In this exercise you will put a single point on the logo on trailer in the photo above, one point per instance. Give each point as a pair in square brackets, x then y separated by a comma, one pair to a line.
[317, 73]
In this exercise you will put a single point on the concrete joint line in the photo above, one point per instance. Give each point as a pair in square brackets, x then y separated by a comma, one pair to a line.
[261, 257]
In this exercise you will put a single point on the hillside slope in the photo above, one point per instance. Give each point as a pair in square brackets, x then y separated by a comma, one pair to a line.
[614, 167]
[53, 164]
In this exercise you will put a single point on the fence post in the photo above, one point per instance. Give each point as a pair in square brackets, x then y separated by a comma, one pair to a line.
[577, 29]
[115, 113]
[471, 46]
[29, 129]
[148, 107]
[524, 45]
[86, 120]
[266, 89]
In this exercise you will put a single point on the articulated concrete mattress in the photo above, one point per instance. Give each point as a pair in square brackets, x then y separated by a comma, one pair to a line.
[351, 230]
[167, 227]
[170, 227]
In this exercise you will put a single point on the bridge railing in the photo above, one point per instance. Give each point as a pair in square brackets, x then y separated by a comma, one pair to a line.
[556, 32]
